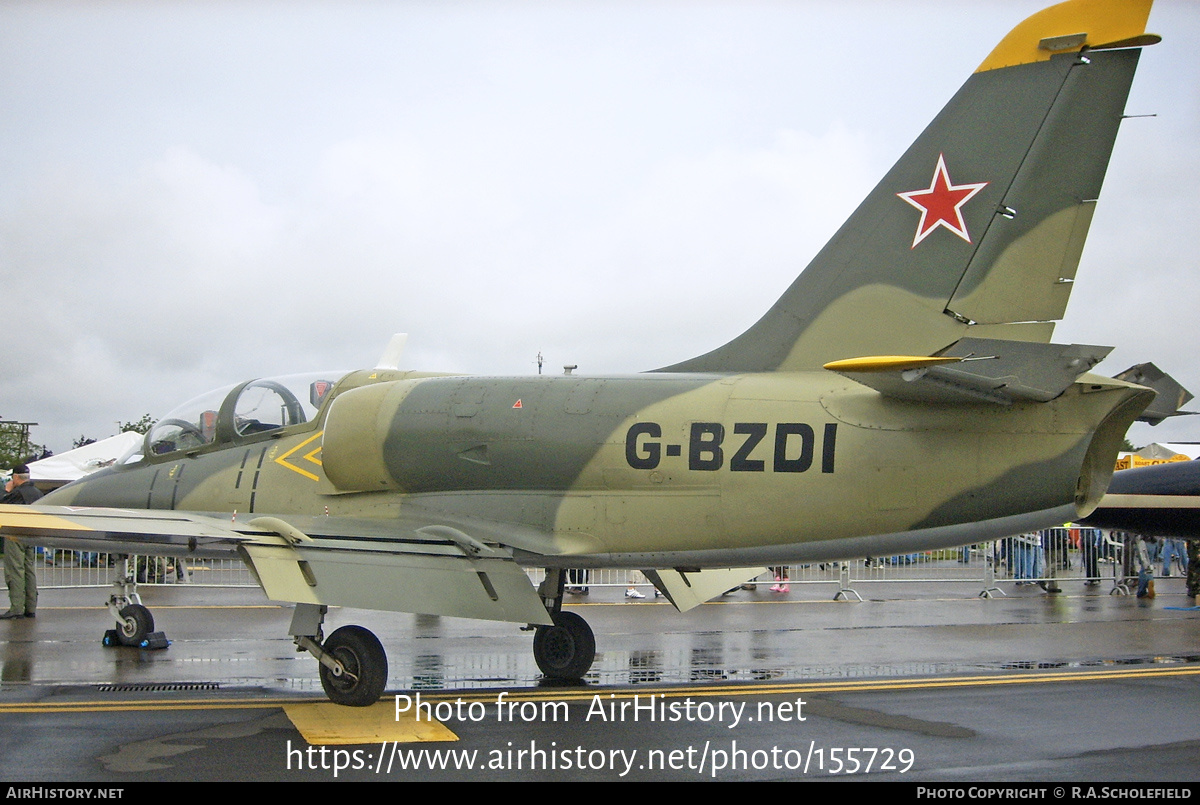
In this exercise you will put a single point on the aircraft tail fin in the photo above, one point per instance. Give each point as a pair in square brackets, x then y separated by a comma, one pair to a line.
[978, 229]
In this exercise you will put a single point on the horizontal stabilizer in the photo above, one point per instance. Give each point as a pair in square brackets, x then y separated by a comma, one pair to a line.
[1171, 396]
[973, 370]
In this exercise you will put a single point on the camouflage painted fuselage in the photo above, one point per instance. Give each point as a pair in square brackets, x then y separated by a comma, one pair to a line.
[656, 469]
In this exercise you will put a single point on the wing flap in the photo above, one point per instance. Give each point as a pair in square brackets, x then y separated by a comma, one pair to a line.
[488, 588]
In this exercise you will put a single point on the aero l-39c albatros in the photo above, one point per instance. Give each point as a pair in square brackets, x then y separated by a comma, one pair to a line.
[903, 394]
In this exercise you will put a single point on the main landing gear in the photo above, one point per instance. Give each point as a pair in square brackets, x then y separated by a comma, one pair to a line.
[354, 667]
[567, 649]
[135, 624]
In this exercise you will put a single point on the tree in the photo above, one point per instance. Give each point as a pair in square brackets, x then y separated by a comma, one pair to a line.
[142, 425]
[15, 446]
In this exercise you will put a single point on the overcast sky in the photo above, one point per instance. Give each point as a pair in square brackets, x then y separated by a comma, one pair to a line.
[197, 193]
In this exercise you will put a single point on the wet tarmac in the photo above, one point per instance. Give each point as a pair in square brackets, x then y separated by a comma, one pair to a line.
[917, 682]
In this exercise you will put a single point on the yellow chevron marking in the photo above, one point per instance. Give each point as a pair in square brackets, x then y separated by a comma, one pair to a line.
[283, 460]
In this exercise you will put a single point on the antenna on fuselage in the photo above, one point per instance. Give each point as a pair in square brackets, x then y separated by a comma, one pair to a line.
[390, 359]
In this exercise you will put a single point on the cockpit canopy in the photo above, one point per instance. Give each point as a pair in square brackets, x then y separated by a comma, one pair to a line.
[237, 413]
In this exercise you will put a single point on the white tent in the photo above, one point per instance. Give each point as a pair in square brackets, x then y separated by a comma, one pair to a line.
[83, 460]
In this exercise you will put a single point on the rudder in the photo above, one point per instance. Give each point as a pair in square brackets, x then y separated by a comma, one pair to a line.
[978, 228]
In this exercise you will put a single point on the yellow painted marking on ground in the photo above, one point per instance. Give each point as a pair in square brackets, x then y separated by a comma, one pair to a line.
[283, 460]
[845, 686]
[325, 723]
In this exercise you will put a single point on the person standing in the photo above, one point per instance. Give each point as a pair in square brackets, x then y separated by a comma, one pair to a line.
[781, 579]
[1147, 557]
[1025, 550]
[1193, 568]
[1172, 548]
[1090, 544]
[19, 572]
[1054, 548]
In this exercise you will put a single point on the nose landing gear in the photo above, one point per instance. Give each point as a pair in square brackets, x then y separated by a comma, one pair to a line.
[135, 623]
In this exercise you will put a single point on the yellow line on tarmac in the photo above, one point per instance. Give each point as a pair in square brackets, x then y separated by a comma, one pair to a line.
[840, 686]
[673, 692]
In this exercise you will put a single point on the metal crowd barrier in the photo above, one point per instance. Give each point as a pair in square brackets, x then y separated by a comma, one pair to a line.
[996, 563]
[78, 569]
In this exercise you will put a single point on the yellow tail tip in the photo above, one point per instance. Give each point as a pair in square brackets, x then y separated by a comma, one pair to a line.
[1070, 27]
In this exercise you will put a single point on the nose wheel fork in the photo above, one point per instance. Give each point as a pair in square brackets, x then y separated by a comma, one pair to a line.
[134, 622]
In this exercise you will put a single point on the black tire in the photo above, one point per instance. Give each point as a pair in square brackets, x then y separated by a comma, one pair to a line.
[361, 654]
[136, 622]
[566, 649]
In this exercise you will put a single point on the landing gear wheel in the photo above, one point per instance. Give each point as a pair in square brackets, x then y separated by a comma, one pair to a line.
[566, 649]
[136, 622]
[365, 661]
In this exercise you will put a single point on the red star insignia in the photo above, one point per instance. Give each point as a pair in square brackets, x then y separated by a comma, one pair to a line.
[941, 204]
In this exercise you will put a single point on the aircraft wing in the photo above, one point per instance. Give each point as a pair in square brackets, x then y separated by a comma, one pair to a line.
[166, 533]
[412, 563]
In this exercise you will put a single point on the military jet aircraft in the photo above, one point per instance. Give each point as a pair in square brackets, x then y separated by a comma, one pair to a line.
[901, 395]
[1161, 501]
